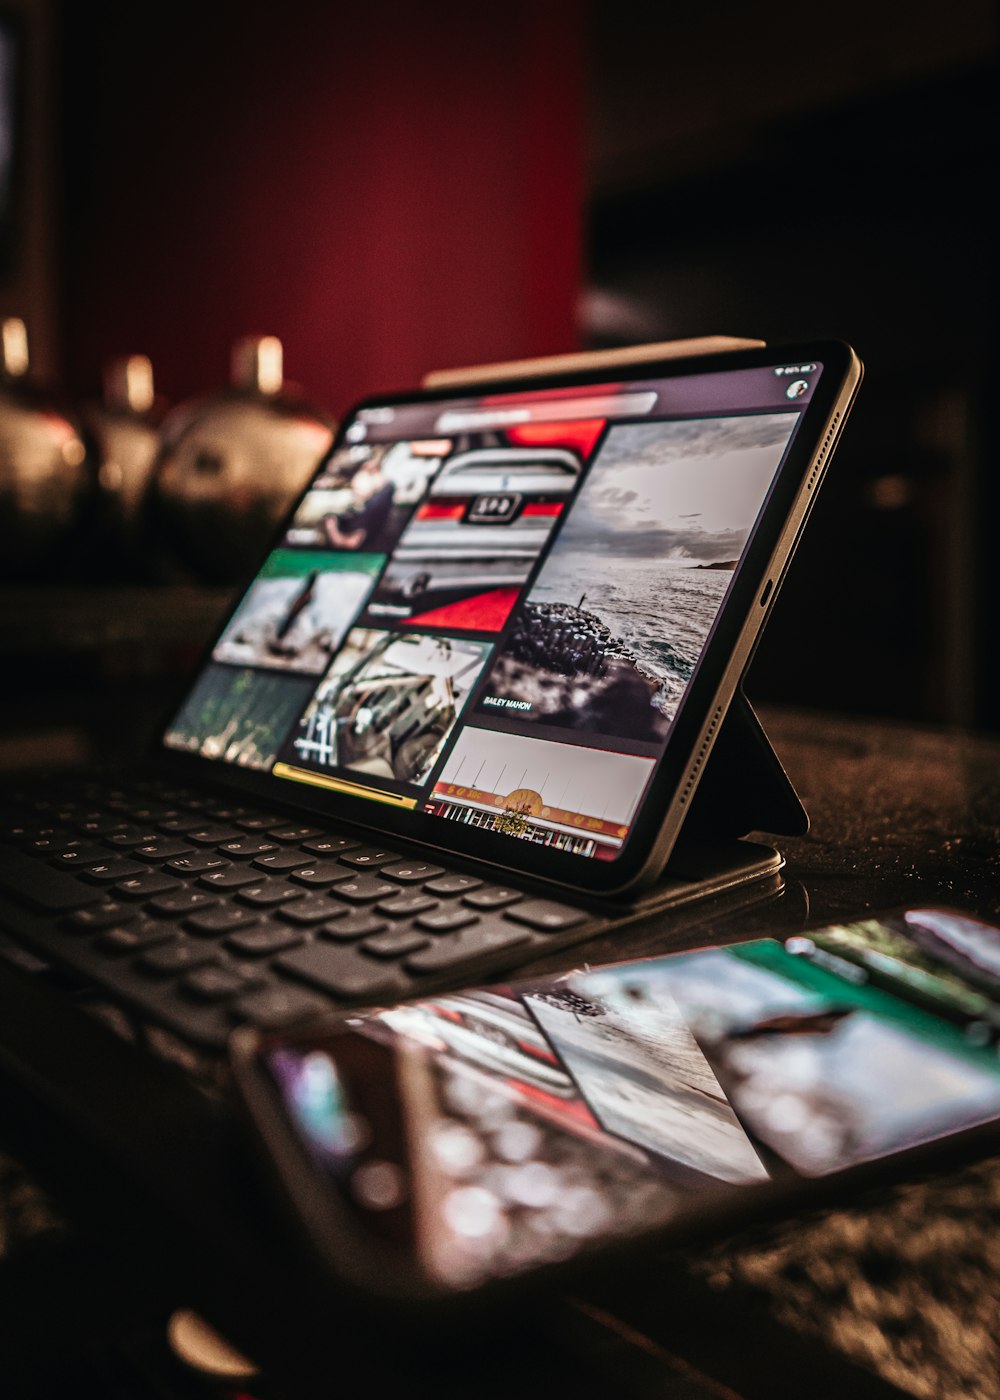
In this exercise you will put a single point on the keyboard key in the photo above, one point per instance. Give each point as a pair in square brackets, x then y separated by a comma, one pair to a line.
[404, 906]
[492, 897]
[222, 812]
[177, 796]
[164, 848]
[447, 920]
[321, 873]
[282, 861]
[466, 947]
[234, 877]
[329, 845]
[343, 972]
[263, 821]
[369, 857]
[181, 902]
[151, 812]
[129, 837]
[53, 845]
[453, 884]
[363, 889]
[306, 911]
[352, 927]
[78, 856]
[100, 917]
[246, 847]
[121, 939]
[180, 826]
[546, 915]
[22, 831]
[215, 984]
[30, 831]
[411, 872]
[172, 958]
[37, 884]
[222, 919]
[106, 872]
[198, 864]
[278, 1006]
[294, 833]
[264, 940]
[267, 893]
[213, 835]
[100, 826]
[395, 944]
[144, 886]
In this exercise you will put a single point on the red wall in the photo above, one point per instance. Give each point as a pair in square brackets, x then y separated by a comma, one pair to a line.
[389, 188]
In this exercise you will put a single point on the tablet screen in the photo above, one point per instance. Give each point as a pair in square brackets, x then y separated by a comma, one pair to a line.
[488, 610]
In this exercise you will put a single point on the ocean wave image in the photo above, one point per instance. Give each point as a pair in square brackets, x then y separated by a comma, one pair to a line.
[613, 626]
[660, 610]
[615, 665]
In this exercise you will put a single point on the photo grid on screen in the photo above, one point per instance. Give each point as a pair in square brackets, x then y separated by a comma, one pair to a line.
[494, 625]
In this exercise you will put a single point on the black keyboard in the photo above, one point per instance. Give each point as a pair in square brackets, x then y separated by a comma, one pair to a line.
[201, 913]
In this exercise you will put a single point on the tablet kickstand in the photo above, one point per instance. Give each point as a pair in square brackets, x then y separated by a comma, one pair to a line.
[744, 788]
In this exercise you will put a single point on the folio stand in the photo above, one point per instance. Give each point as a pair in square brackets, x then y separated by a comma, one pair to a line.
[744, 787]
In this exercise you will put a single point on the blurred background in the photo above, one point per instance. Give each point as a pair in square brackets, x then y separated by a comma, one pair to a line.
[221, 223]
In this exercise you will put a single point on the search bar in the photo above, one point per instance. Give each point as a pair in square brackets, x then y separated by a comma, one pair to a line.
[552, 411]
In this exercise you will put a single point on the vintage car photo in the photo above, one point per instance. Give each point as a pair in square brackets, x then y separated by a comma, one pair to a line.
[473, 541]
[388, 703]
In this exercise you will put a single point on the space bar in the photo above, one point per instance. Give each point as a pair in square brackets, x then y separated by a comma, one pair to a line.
[37, 884]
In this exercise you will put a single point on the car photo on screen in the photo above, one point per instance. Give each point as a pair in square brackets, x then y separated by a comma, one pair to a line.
[472, 543]
[387, 704]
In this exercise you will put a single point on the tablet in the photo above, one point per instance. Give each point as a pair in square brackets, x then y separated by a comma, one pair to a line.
[506, 621]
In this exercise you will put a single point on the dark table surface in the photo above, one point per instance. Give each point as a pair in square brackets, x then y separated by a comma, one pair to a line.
[894, 1292]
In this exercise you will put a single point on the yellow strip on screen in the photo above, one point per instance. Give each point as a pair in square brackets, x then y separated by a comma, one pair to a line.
[305, 775]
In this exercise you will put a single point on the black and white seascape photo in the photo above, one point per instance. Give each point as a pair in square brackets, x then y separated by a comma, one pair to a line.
[613, 626]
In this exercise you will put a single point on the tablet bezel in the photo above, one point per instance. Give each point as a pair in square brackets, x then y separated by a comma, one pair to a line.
[717, 675]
